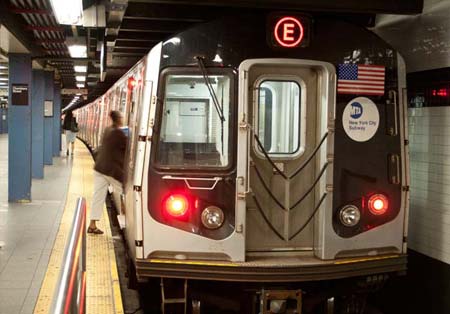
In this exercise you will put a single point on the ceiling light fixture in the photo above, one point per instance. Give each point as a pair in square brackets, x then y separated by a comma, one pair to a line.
[78, 51]
[80, 68]
[80, 85]
[68, 12]
[80, 78]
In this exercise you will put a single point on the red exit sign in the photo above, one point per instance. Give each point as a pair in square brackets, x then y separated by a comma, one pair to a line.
[288, 31]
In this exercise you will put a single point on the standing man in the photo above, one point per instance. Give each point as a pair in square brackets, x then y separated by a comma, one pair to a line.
[108, 169]
[70, 127]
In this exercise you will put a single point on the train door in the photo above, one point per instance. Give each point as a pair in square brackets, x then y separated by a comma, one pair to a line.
[281, 104]
[135, 107]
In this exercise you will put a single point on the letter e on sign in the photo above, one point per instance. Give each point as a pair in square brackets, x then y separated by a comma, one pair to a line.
[288, 32]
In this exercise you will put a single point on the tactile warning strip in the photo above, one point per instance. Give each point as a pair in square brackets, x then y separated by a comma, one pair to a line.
[103, 287]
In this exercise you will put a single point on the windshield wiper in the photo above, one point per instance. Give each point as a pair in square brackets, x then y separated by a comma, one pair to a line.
[219, 108]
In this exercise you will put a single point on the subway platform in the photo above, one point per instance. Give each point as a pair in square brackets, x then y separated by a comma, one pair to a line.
[33, 237]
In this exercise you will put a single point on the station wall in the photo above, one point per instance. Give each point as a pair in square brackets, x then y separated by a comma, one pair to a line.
[429, 224]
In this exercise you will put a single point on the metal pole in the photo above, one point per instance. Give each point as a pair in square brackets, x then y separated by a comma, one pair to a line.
[70, 290]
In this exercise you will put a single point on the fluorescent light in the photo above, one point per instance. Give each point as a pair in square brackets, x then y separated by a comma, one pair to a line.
[78, 51]
[80, 68]
[68, 12]
[80, 78]
[80, 85]
[2, 67]
[3, 78]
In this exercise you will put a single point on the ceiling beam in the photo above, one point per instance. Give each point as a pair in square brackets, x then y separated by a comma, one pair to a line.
[50, 41]
[128, 54]
[154, 25]
[356, 6]
[123, 34]
[68, 59]
[167, 12]
[18, 10]
[136, 50]
[135, 44]
[41, 28]
[15, 25]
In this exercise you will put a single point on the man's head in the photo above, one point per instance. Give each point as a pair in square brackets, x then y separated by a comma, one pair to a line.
[117, 118]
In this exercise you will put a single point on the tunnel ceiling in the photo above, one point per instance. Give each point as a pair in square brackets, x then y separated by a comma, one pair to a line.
[132, 28]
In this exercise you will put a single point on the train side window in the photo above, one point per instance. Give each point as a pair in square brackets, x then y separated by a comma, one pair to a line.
[278, 117]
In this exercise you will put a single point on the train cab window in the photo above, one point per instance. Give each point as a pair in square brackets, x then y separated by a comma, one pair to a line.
[278, 117]
[195, 129]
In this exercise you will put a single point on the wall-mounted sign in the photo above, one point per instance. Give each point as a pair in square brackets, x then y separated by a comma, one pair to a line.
[74, 91]
[19, 95]
[48, 108]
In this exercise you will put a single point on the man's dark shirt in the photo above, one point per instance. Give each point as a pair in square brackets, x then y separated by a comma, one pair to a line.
[111, 154]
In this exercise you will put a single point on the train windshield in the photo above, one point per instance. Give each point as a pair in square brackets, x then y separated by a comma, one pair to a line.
[195, 128]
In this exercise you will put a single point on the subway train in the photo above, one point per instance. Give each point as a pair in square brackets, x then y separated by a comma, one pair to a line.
[267, 165]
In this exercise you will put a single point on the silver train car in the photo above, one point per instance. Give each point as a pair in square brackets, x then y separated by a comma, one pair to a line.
[267, 165]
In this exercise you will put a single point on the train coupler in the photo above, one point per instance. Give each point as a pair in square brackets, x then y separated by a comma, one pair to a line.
[281, 302]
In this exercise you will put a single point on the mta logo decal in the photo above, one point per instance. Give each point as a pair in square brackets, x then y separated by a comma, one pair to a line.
[356, 111]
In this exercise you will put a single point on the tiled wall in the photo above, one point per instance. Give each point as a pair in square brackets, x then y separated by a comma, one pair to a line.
[429, 222]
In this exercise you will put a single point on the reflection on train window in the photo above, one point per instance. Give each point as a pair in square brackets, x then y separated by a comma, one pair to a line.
[279, 117]
[195, 131]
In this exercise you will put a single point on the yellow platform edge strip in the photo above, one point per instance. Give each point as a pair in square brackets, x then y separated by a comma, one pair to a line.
[82, 170]
[117, 295]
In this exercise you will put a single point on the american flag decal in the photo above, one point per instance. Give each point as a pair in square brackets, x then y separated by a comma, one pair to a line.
[361, 79]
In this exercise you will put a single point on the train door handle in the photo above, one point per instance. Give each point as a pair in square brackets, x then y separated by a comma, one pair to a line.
[394, 168]
[392, 114]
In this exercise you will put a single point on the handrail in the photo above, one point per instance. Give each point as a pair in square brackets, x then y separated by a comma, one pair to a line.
[70, 290]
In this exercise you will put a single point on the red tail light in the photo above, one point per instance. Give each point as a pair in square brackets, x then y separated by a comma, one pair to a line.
[132, 83]
[176, 205]
[378, 204]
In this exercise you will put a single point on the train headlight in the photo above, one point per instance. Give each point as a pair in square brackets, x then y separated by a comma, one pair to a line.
[212, 217]
[350, 215]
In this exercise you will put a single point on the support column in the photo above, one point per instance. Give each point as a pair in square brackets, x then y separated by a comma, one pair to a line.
[48, 118]
[19, 127]
[37, 120]
[56, 120]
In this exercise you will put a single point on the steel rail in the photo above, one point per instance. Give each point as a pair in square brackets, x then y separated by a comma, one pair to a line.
[70, 290]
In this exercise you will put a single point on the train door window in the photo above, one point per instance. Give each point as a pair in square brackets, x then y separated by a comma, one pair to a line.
[278, 116]
[195, 129]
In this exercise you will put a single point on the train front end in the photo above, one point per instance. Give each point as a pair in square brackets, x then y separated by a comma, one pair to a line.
[276, 154]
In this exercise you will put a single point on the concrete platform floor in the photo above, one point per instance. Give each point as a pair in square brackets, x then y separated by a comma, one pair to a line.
[27, 233]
